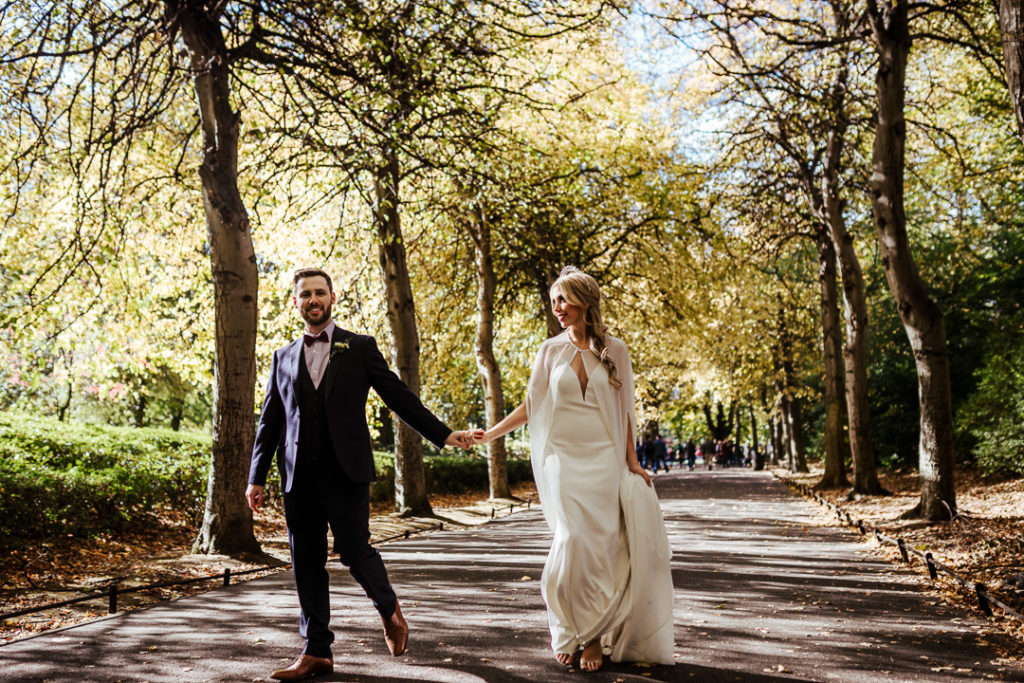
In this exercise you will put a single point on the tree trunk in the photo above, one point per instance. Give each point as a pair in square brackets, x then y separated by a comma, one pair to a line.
[410, 476]
[835, 472]
[855, 309]
[777, 438]
[719, 427]
[62, 410]
[773, 430]
[758, 458]
[387, 427]
[797, 440]
[544, 289]
[786, 435]
[140, 410]
[796, 443]
[486, 363]
[1011, 23]
[227, 520]
[739, 423]
[921, 317]
[855, 315]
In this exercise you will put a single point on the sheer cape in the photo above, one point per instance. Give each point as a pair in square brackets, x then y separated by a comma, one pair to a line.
[641, 629]
[619, 414]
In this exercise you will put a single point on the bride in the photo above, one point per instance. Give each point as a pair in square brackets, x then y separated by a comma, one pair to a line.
[606, 582]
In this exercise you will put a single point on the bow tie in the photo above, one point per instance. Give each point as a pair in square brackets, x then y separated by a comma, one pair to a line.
[308, 339]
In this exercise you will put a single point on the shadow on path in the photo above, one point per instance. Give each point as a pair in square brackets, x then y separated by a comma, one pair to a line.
[762, 596]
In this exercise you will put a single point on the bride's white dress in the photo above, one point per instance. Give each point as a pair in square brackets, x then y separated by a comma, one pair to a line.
[607, 574]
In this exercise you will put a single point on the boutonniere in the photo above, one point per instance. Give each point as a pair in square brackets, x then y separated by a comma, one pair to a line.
[338, 348]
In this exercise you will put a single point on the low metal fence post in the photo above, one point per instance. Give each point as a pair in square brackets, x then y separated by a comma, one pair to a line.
[112, 599]
[903, 550]
[982, 593]
[227, 576]
[930, 561]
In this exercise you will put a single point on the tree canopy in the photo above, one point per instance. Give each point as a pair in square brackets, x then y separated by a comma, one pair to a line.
[721, 167]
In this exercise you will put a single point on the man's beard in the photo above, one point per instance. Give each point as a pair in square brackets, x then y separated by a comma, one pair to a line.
[324, 316]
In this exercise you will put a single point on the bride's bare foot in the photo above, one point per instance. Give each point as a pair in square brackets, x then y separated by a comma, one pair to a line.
[591, 659]
[563, 658]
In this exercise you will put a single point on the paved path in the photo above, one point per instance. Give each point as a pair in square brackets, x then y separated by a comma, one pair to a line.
[763, 595]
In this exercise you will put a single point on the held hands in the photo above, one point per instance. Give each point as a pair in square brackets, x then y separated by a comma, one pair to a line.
[466, 438]
[481, 437]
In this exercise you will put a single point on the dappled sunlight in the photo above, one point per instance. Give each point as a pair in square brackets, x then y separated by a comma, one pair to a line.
[756, 577]
[763, 595]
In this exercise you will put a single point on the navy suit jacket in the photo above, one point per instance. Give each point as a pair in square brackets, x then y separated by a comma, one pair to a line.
[351, 372]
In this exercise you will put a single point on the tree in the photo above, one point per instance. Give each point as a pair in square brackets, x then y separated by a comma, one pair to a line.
[779, 63]
[393, 91]
[478, 226]
[922, 319]
[128, 58]
[1011, 22]
[719, 427]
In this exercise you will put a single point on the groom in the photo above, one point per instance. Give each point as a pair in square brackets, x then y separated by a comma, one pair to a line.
[314, 419]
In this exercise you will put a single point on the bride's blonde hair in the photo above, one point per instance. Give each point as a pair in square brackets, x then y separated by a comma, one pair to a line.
[580, 289]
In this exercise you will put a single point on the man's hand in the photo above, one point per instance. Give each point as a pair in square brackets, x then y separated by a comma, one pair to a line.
[254, 496]
[463, 439]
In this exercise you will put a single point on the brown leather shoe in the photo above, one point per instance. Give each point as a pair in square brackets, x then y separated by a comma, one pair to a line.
[305, 666]
[396, 632]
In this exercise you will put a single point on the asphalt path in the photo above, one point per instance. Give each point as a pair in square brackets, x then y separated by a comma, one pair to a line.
[763, 594]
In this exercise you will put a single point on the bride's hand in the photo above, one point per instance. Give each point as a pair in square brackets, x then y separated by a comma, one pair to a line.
[479, 437]
[635, 468]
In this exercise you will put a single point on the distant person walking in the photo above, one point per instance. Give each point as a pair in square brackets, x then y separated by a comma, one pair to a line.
[707, 450]
[659, 454]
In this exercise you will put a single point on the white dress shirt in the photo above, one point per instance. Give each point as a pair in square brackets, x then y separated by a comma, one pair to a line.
[317, 354]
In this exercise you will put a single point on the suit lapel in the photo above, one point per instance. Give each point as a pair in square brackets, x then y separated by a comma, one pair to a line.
[294, 356]
[334, 360]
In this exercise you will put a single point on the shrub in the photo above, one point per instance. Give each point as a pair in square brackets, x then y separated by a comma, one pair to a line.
[992, 415]
[73, 478]
[446, 474]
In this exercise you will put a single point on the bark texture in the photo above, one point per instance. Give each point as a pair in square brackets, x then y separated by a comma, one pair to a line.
[758, 458]
[227, 521]
[486, 363]
[410, 476]
[855, 309]
[835, 471]
[792, 422]
[1011, 24]
[921, 317]
[776, 431]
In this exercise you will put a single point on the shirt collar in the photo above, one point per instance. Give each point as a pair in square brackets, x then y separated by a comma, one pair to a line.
[329, 330]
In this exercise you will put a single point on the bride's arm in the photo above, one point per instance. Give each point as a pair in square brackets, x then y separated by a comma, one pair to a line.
[631, 460]
[514, 420]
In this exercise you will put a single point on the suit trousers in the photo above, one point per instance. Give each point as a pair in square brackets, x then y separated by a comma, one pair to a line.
[323, 496]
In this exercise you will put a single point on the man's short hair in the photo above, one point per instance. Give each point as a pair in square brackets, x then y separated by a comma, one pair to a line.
[311, 272]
